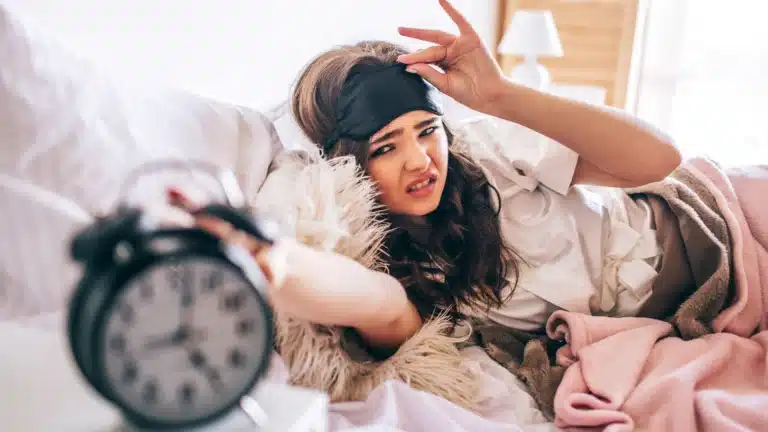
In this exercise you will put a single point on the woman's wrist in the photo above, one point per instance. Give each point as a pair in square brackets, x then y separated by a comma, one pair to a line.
[501, 98]
[273, 261]
[524, 105]
[330, 289]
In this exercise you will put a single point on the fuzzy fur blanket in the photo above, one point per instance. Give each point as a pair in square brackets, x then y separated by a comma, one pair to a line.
[722, 217]
[330, 205]
[714, 277]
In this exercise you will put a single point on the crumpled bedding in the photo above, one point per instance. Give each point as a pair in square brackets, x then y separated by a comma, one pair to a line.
[394, 406]
[706, 368]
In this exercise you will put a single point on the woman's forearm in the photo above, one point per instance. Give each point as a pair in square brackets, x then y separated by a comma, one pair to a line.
[614, 142]
[332, 289]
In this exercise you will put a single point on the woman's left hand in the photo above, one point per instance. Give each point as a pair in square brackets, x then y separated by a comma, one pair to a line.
[271, 264]
[470, 75]
[320, 286]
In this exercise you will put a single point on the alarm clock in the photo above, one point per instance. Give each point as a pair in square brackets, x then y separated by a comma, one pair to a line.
[169, 324]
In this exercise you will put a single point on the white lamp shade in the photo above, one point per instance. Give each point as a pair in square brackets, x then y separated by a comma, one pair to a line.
[532, 33]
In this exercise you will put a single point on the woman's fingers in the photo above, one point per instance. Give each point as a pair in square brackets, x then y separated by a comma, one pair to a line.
[272, 263]
[177, 214]
[429, 73]
[219, 228]
[465, 28]
[179, 199]
[434, 54]
[435, 36]
[226, 232]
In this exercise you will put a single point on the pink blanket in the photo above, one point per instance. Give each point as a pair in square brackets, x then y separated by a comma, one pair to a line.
[631, 374]
[742, 196]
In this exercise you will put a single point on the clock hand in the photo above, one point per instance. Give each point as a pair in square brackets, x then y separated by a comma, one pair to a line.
[178, 337]
[180, 280]
[212, 375]
[199, 362]
[187, 300]
[162, 342]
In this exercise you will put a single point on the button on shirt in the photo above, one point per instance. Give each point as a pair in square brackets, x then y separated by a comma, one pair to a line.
[585, 249]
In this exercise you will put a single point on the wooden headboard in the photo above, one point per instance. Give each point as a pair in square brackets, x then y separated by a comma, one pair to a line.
[598, 40]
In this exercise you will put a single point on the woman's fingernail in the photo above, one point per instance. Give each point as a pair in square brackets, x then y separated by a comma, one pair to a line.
[179, 198]
[175, 194]
[410, 69]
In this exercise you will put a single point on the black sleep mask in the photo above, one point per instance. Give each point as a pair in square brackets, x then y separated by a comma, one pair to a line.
[374, 95]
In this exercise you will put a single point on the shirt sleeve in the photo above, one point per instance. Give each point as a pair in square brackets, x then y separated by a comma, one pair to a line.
[556, 167]
[552, 164]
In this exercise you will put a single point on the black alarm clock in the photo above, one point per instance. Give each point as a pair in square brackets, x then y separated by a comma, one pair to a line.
[169, 324]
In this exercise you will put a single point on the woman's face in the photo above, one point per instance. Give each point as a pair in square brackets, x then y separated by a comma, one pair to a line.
[408, 159]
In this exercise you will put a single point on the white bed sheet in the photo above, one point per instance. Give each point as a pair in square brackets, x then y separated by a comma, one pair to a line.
[394, 406]
[507, 407]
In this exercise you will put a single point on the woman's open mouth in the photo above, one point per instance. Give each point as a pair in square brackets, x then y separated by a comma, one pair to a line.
[422, 188]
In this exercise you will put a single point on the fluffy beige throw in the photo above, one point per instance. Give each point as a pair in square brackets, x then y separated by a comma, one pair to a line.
[330, 205]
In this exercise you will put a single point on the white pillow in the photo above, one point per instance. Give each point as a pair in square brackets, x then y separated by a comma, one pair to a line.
[288, 131]
[36, 226]
[77, 131]
[69, 132]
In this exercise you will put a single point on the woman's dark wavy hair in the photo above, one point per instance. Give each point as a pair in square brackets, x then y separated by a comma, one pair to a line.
[460, 259]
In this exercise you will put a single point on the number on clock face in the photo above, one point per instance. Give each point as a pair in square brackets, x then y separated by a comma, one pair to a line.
[183, 339]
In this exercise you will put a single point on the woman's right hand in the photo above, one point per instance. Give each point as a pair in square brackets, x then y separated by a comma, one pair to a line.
[470, 74]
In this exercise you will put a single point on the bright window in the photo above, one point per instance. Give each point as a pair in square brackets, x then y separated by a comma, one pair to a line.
[705, 77]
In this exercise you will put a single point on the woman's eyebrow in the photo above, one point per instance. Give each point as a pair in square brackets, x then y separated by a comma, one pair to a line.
[388, 135]
[399, 131]
[427, 122]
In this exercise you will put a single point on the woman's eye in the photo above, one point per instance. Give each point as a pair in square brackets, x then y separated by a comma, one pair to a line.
[428, 131]
[381, 150]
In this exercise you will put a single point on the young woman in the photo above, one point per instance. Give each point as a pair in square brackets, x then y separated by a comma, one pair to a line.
[495, 228]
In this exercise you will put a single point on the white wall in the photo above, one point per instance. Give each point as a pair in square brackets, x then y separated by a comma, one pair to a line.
[244, 51]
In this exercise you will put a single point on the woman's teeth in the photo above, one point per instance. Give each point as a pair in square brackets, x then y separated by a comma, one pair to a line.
[420, 185]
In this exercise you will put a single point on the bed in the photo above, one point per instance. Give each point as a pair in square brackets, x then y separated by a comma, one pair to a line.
[67, 123]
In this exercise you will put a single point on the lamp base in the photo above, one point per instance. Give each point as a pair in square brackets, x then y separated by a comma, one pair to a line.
[532, 74]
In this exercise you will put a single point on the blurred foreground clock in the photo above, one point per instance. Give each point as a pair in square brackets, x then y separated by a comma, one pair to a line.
[170, 325]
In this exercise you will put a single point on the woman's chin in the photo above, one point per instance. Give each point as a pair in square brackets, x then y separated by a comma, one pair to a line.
[419, 207]
[407, 204]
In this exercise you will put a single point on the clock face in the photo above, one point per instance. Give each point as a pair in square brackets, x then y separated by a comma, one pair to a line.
[184, 339]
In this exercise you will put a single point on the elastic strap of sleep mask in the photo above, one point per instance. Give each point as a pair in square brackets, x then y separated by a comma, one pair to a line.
[373, 96]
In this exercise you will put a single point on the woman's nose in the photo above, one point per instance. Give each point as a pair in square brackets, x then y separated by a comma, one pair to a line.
[417, 158]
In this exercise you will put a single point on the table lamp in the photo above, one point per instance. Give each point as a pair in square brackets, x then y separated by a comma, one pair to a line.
[531, 34]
